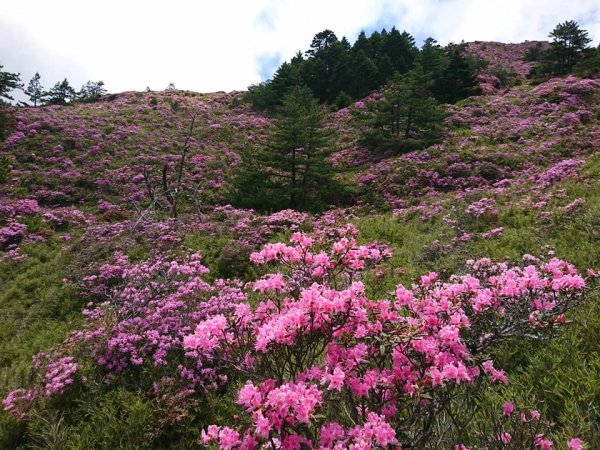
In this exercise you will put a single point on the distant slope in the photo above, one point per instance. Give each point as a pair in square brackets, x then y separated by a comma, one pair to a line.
[85, 153]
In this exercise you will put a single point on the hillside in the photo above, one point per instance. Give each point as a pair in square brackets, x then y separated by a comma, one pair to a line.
[103, 292]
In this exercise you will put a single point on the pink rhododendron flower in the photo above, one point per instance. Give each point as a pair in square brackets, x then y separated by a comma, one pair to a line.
[575, 444]
[508, 408]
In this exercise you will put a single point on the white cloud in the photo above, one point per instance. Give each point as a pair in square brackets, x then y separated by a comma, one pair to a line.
[485, 20]
[210, 45]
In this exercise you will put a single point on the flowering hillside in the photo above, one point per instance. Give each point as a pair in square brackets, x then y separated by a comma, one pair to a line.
[90, 153]
[508, 57]
[451, 304]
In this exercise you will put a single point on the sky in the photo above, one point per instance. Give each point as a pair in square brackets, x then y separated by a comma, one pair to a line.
[224, 45]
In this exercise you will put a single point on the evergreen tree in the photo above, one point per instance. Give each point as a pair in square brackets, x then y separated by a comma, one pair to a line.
[342, 70]
[432, 59]
[8, 82]
[293, 170]
[363, 74]
[589, 65]
[91, 92]
[321, 42]
[341, 101]
[534, 53]
[401, 50]
[331, 67]
[253, 186]
[61, 94]
[337, 72]
[327, 67]
[35, 90]
[261, 96]
[569, 46]
[289, 76]
[268, 95]
[362, 43]
[458, 80]
[408, 117]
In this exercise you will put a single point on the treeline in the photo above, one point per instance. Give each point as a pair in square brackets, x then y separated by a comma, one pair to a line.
[569, 52]
[338, 73]
[62, 93]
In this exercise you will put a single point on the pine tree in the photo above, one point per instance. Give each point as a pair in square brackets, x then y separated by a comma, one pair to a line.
[458, 80]
[61, 94]
[589, 65]
[252, 184]
[432, 59]
[91, 92]
[268, 95]
[326, 69]
[569, 45]
[293, 170]
[35, 90]
[401, 49]
[364, 76]
[408, 117]
[8, 82]
[342, 70]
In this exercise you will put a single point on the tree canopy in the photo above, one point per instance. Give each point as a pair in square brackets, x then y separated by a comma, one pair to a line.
[337, 72]
[8, 82]
[61, 94]
[407, 117]
[91, 92]
[35, 90]
[292, 171]
[569, 47]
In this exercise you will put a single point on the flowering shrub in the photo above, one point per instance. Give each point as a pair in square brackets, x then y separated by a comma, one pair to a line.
[149, 306]
[559, 171]
[516, 429]
[326, 366]
[12, 233]
[18, 401]
[26, 207]
[55, 376]
[495, 232]
[482, 207]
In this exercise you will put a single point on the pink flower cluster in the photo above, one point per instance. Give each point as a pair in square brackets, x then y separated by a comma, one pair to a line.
[559, 171]
[25, 207]
[518, 429]
[59, 374]
[56, 376]
[12, 233]
[18, 401]
[151, 302]
[493, 233]
[483, 207]
[315, 340]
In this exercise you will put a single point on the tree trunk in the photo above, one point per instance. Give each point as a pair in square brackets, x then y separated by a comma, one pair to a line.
[409, 118]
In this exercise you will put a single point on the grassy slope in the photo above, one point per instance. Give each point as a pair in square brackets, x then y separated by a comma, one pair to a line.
[39, 308]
